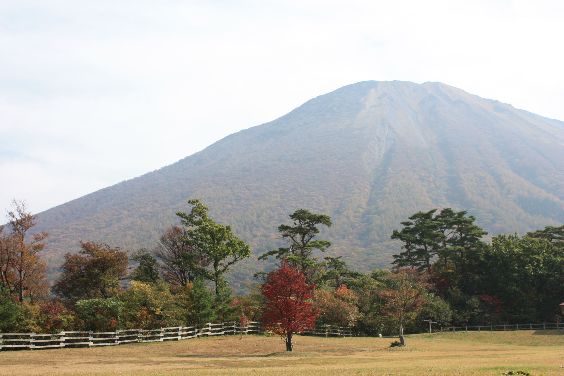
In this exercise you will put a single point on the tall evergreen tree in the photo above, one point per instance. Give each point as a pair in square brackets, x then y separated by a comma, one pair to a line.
[336, 272]
[421, 240]
[302, 243]
[447, 236]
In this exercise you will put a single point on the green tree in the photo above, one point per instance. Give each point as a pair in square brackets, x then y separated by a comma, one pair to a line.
[336, 273]
[525, 274]
[420, 241]
[302, 243]
[223, 304]
[448, 237]
[555, 235]
[367, 288]
[10, 312]
[147, 269]
[436, 310]
[99, 314]
[460, 240]
[215, 241]
[197, 303]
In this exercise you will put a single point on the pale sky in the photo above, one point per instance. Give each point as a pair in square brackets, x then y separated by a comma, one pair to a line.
[96, 92]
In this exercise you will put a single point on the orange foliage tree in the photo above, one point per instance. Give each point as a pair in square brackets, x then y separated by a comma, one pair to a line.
[288, 306]
[22, 272]
[339, 307]
[404, 297]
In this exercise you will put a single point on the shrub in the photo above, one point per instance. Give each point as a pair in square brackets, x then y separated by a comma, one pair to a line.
[148, 306]
[10, 313]
[99, 314]
[396, 344]
[195, 302]
[53, 317]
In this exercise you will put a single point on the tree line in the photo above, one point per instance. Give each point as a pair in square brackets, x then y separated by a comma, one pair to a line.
[446, 272]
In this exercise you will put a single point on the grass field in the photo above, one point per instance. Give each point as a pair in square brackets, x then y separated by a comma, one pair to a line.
[484, 353]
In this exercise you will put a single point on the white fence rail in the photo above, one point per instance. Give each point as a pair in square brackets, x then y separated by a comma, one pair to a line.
[69, 339]
[502, 327]
[35, 341]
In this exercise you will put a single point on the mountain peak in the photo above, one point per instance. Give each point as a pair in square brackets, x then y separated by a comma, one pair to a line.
[368, 154]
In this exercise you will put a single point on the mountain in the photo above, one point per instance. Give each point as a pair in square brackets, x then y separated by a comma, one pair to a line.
[368, 154]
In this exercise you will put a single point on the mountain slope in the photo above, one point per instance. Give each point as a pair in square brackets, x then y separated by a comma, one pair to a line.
[368, 154]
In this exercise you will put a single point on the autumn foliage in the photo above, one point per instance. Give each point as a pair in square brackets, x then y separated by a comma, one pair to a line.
[22, 271]
[288, 305]
[338, 307]
[94, 272]
[404, 298]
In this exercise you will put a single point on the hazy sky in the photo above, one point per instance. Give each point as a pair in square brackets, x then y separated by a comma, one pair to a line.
[96, 92]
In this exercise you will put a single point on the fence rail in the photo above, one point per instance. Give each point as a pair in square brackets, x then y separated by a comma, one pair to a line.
[502, 327]
[68, 339]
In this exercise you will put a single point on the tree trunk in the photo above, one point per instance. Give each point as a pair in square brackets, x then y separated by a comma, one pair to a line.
[20, 281]
[401, 338]
[217, 276]
[289, 341]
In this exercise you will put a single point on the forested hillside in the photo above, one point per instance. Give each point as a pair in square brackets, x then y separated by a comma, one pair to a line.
[368, 154]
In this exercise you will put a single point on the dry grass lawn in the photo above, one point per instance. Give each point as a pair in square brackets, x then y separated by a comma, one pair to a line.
[485, 353]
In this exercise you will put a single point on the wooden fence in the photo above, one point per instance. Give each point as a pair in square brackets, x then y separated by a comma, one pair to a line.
[330, 331]
[69, 339]
[34, 341]
[502, 327]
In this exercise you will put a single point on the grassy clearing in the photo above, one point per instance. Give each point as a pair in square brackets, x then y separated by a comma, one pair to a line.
[485, 353]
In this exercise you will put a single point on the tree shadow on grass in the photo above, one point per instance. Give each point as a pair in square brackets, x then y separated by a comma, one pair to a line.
[274, 354]
[559, 332]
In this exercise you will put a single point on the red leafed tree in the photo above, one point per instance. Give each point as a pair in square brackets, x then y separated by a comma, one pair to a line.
[288, 306]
